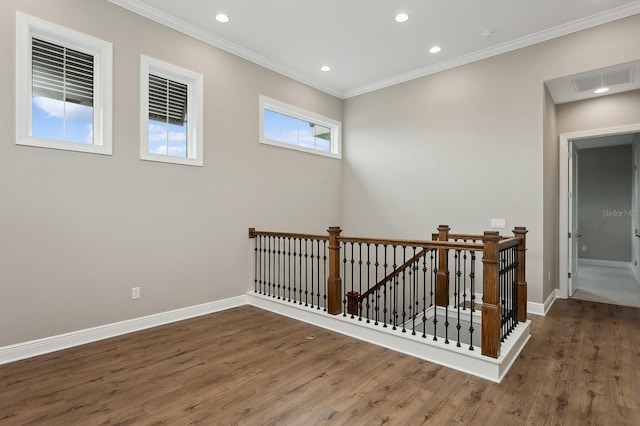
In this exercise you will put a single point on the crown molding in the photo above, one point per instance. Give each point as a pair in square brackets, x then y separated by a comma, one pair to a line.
[542, 36]
[170, 21]
[142, 9]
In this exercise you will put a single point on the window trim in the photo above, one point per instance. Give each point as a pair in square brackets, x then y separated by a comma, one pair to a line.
[195, 102]
[27, 27]
[302, 114]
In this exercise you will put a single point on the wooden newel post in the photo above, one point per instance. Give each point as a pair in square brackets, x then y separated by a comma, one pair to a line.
[334, 282]
[521, 232]
[490, 296]
[442, 280]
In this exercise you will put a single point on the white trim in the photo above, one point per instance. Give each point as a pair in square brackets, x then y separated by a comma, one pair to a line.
[607, 263]
[302, 114]
[563, 222]
[461, 359]
[63, 341]
[197, 33]
[195, 105]
[102, 51]
[542, 308]
[170, 21]
[529, 40]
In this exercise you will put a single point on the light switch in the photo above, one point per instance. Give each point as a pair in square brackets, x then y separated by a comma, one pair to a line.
[498, 223]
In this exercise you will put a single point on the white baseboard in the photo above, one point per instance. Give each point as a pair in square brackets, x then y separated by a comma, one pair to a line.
[542, 308]
[75, 338]
[609, 263]
[461, 359]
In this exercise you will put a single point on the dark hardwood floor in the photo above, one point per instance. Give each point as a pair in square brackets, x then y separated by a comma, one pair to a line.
[251, 367]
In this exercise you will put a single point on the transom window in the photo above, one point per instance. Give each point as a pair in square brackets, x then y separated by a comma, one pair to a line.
[291, 127]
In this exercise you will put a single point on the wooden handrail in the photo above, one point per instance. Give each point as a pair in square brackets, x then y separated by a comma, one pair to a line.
[508, 243]
[392, 275]
[415, 243]
[253, 233]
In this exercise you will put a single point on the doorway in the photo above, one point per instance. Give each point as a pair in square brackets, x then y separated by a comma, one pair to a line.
[602, 212]
[599, 249]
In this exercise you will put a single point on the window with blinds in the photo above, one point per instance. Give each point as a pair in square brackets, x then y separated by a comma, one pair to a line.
[171, 112]
[63, 87]
[61, 73]
[167, 100]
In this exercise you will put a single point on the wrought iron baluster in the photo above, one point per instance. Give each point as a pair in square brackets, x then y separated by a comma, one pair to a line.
[324, 272]
[404, 289]
[278, 268]
[464, 284]
[377, 302]
[344, 275]
[269, 268]
[458, 273]
[360, 280]
[472, 278]
[386, 302]
[446, 305]
[434, 290]
[312, 261]
[369, 282]
[413, 299]
[300, 272]
[306, 272]
[424, 295]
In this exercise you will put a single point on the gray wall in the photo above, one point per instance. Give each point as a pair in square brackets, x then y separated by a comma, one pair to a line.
[77, 231]
[604, 202]
[466, 145]
[599, 113]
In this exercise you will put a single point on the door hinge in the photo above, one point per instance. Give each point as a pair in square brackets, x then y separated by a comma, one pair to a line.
[569, 234]
[569, 274]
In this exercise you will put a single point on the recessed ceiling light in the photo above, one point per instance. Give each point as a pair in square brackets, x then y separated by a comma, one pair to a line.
[221, 17]
[601, 90]
[401, 17]
[435, 49]
[325, 68]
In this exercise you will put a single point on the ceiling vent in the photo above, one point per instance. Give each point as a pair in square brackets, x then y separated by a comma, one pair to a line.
[608, 79]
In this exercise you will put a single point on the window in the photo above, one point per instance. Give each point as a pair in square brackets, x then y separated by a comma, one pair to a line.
[172, 100]
[63, 88]
[290, 127]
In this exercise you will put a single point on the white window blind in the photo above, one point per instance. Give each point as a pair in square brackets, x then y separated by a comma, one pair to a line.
[62, 73]
[167, 100]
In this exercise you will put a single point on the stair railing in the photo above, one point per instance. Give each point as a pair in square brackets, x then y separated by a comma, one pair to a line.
[309, 270]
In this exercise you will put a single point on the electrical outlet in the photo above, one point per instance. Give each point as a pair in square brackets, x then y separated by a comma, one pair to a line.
[498, 223]
[584, 248]
[135, 292]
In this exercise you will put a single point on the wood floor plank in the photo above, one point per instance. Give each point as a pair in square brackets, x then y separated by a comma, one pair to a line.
[247, 366]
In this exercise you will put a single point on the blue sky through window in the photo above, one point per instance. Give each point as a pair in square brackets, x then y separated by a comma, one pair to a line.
[167, 139]
[293, 131]
[63, 121]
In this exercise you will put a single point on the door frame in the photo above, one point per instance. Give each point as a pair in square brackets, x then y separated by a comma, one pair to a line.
[565, 210]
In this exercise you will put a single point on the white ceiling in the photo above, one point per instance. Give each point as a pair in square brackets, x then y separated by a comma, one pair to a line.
[359, 39]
